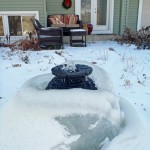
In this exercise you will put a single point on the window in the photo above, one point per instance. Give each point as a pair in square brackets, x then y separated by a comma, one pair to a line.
[16, 23]
[101, 12]
[1, 27]
[86, 11]
[19, 24]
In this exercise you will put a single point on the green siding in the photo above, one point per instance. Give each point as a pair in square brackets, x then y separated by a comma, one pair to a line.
[123, 19]
[129, 15]
[24, 5]
[125, 11]
[117, 16]
[132, 14]
[55, 7]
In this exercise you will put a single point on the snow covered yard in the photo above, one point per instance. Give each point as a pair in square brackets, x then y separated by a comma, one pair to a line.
[31, 128]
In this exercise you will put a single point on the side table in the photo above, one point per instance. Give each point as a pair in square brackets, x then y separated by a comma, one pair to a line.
[78, 32]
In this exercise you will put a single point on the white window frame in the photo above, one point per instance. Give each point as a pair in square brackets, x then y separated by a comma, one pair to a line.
[5, 15]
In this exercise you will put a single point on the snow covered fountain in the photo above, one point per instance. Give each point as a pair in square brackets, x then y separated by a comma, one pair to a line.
[71, 76]
[73, 108]
[80, 96]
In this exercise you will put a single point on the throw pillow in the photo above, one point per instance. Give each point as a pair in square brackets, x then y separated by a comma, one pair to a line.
[73, 19]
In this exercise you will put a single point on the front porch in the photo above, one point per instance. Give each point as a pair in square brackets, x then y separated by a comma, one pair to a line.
[93, 38]
[66, 39]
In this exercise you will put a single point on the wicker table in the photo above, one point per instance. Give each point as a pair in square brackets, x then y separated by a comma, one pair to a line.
[78, 32]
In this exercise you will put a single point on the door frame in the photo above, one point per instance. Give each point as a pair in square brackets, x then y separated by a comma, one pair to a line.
[139, 15]
[109, 30]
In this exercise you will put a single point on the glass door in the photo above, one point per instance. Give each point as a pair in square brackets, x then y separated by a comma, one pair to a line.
[86, 11]
[101, 14]
[97, 12]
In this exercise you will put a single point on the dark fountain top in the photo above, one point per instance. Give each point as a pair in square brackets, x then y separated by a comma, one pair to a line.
[71, 76]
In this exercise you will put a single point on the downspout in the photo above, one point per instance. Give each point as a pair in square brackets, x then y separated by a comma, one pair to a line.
[139, 14]
[127, 14]
[123, 12]
[120, 17]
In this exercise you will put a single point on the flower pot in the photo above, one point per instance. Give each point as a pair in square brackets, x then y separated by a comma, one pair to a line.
[90, 28]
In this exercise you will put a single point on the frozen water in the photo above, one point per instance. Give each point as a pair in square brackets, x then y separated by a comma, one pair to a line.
[91, 138]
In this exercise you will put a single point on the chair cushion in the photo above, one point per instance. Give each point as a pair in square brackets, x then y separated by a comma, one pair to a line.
[73, 19]
[72, 25]
[66, 19]
[49, 28]
[56, 19]
[58, 25]
[70, 19]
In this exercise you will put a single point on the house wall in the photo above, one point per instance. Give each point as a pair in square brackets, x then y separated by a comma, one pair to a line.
[55, 7]
[24, 5]
[117, 16]
[129, 15]
[145, 17]
[125, 11]
[132, 14]
[125, 15]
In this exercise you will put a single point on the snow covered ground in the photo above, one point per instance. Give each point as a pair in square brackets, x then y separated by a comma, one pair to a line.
[33, 126]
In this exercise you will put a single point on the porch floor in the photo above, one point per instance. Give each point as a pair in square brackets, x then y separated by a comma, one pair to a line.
[92, 38]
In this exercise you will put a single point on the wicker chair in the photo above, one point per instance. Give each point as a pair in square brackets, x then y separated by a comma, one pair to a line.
[48, 35]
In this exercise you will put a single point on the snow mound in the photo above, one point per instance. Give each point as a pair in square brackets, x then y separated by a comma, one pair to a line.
[73, 101]
[61, 119]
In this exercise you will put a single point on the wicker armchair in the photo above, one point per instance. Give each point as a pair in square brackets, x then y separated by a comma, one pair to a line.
[48, 35]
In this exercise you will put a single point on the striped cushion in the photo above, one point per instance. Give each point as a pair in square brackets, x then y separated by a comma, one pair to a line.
[56, 19]
[70, 19]
[66, 19]
[73, 19]
[53, 20]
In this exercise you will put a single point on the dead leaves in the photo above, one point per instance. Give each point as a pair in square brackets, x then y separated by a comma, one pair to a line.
[60, 53]
[16, 65]
[24, 45]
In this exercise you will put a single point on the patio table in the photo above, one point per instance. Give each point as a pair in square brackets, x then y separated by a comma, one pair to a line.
[78, 32]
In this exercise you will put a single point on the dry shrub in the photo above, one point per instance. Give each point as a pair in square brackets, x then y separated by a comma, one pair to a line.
[32, 44]
[140, 38]
[24, 44]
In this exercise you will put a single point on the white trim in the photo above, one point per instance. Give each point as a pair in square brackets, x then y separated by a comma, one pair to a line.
[111, 15]
[102, 32]
[36, 13]
[78, 8]
[139, 14]
[5, 15]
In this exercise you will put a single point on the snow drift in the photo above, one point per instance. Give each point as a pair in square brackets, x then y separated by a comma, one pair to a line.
[62, 119]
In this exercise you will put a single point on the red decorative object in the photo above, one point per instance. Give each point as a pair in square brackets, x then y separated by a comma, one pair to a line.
[67, 4]
[90, 28]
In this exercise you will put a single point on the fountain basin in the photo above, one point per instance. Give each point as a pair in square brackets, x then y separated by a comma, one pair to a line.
[71, 76]
[72, 71]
